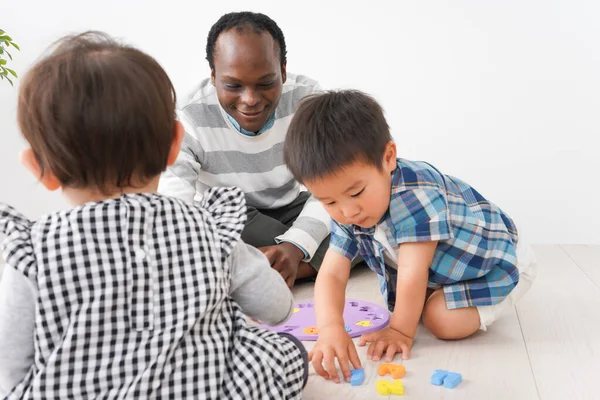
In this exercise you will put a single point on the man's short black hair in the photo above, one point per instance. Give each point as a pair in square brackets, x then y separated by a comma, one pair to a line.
[257, 22]
[333, 129]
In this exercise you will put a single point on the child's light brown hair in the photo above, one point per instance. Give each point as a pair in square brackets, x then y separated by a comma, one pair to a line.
[98, 114]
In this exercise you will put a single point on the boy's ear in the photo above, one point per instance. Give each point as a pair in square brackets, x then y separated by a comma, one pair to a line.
[176, 143]
[47, 179]
[389, 157]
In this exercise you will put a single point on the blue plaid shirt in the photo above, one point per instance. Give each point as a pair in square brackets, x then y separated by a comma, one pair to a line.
[475, 259]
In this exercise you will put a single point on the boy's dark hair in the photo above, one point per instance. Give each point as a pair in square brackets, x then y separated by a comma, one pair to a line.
[98, 114]
[257, 22]
[333, 129]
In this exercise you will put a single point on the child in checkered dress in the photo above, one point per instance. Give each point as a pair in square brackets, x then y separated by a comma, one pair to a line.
[130, 294]
[442, 252]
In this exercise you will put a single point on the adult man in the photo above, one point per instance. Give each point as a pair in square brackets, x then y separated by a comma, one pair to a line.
[235, 124]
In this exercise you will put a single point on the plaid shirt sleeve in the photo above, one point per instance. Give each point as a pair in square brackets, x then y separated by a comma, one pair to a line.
[420, 215]
[343, 241]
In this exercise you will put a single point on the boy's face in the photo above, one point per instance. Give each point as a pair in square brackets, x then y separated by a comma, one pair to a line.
[358, 194]
[248, 76]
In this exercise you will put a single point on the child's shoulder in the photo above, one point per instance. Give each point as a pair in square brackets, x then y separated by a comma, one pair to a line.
[416, 175]
[17, 247]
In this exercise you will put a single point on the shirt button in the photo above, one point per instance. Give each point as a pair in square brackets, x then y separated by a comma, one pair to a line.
[140, 255]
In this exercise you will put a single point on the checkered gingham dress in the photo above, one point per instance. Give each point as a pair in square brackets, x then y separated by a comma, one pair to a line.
[133, 303]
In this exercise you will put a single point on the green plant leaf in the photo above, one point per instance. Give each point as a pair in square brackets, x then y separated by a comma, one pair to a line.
[13, 73]
[4, 71]
[11, 82]
[9, 55]
[2, 62]
[15, 46]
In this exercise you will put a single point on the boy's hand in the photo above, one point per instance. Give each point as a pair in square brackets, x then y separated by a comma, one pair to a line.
[285, 259]
[334, 342]
[386, 340]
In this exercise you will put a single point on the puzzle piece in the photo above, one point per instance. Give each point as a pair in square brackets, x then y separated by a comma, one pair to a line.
[289, 328]
[357, 377]
[296, 309]
[347, 328]
[452, 380]
[396, 370]
[364, 323]
[311, 330]
[438, 377]
[386, 387]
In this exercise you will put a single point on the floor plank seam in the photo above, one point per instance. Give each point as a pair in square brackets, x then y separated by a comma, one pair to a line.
[578, 266]
[527, 352]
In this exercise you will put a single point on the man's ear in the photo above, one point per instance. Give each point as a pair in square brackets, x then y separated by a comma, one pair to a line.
[47, 179]
[283, 72]
[212, 77]
[176, 143]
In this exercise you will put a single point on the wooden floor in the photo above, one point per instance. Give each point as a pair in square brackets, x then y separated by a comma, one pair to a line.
[547, 348]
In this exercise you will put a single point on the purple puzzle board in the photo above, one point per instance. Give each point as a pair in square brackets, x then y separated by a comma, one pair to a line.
[360, 317]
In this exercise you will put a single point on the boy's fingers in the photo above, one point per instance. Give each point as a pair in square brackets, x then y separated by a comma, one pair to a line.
[405, 351]
[353, 355]
[379, 349]
[317, 362]
[344, 365]
[370, 351]
[364, 339]
[391, 352]
[329, 358]
[310, 356]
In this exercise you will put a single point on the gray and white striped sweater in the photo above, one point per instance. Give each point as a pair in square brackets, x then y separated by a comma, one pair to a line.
[215, 153]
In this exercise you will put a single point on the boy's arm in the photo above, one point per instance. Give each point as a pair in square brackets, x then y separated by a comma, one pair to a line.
[258, 289]
[330, 289]
[330, 286]
[18, 297]
[179, 180]
[414, 260]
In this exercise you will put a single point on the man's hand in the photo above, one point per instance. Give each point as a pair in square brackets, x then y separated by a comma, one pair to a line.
[386, 340]
[285, 259]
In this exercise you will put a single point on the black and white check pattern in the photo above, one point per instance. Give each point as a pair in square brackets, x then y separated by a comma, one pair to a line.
[134, 303]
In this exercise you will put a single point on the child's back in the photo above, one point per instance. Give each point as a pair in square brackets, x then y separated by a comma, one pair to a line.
[131, 294]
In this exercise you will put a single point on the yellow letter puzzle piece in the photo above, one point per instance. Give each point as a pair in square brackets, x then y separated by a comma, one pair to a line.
[387, 387]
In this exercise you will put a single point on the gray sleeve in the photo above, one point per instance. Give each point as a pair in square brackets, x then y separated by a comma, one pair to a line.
[259, 290]
[18, 296]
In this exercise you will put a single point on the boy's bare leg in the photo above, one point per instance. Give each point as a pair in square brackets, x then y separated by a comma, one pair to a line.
[449, 324]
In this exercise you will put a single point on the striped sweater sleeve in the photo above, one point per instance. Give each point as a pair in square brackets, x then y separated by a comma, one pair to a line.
[310, 228]
[180, 179]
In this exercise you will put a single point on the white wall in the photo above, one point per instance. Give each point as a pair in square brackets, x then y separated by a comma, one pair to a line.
[504, 94]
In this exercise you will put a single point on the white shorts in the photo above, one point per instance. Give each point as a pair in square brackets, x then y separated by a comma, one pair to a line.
[527, 265]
